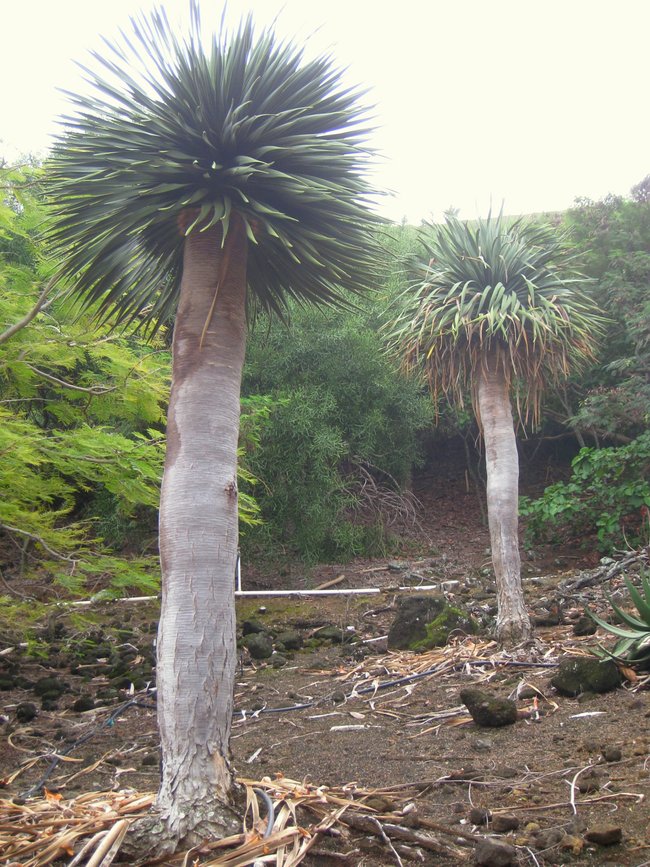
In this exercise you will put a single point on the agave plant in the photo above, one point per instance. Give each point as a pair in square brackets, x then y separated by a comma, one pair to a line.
[634, 644]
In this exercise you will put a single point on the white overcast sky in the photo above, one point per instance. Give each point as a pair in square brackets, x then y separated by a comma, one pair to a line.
[526, 102]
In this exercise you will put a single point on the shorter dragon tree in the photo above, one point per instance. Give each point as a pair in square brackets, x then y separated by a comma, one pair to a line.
[496, 308]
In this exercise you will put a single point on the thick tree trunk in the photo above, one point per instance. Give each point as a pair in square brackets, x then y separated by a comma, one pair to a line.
[198, 542]
[502, 465]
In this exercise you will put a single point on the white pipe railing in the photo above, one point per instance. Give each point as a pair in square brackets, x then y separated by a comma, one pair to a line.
[357, 591]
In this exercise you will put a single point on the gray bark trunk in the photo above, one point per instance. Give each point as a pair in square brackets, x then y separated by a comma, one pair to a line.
[198, 543]
[502, 466]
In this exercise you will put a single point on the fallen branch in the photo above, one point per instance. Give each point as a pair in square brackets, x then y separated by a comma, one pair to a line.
[605, 573]
[371, 825]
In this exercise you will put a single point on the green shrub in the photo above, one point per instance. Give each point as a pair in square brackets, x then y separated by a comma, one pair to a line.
[607, 496]
[338, 410]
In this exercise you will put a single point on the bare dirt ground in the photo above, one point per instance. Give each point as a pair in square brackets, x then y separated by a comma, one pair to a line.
[556, 785]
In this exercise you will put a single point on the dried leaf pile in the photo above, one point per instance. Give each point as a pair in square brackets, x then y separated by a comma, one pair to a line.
[90, 829]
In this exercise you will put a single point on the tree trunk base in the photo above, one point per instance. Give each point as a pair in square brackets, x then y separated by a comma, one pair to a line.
[151, 837]
[512, 631]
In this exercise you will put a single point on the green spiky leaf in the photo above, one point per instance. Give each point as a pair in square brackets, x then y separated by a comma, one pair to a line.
[643, 606]
[634, 646]
[499, 288]
[632, 621]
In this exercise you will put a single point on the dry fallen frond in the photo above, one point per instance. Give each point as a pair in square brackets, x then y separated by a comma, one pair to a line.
[90, 829]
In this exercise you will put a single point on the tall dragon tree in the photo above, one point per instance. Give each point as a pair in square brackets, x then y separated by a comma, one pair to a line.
[200, 177]
[495, 311]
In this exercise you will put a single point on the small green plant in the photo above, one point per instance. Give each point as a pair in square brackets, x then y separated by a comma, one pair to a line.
[634, 644]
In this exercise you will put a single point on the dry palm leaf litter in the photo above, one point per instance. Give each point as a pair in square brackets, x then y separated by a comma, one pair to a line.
[90, 829]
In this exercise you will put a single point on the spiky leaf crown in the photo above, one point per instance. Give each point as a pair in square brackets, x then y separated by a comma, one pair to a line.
[186, 133]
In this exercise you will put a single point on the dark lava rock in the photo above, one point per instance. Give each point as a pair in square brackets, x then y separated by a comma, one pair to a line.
[331, 633]
[150, 761]
[584, 626]
[258, 645]
[589, 782]
[489, 710]
[83, 703]
[135, 679]
[121, 682]
[479, 816]
[546, 838]
[549, 614]
[413, 614]
[49, 687]
[450, 620]
[49, 703]
[291, 639]
[119, 669]
[604, 835]
[504, 822]
[26, 712]
[252, 627]
[528, 692]
[577, 674]
[612, 754]
[494, 853]
[426, 621]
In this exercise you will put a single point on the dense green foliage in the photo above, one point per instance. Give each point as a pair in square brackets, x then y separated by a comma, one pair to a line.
[613, 238]
[343, 433]
[610, 403]
[327, 423]
[81, 422]
[607, 497]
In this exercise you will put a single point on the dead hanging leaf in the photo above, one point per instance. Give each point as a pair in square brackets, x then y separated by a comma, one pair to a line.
[629, 673]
